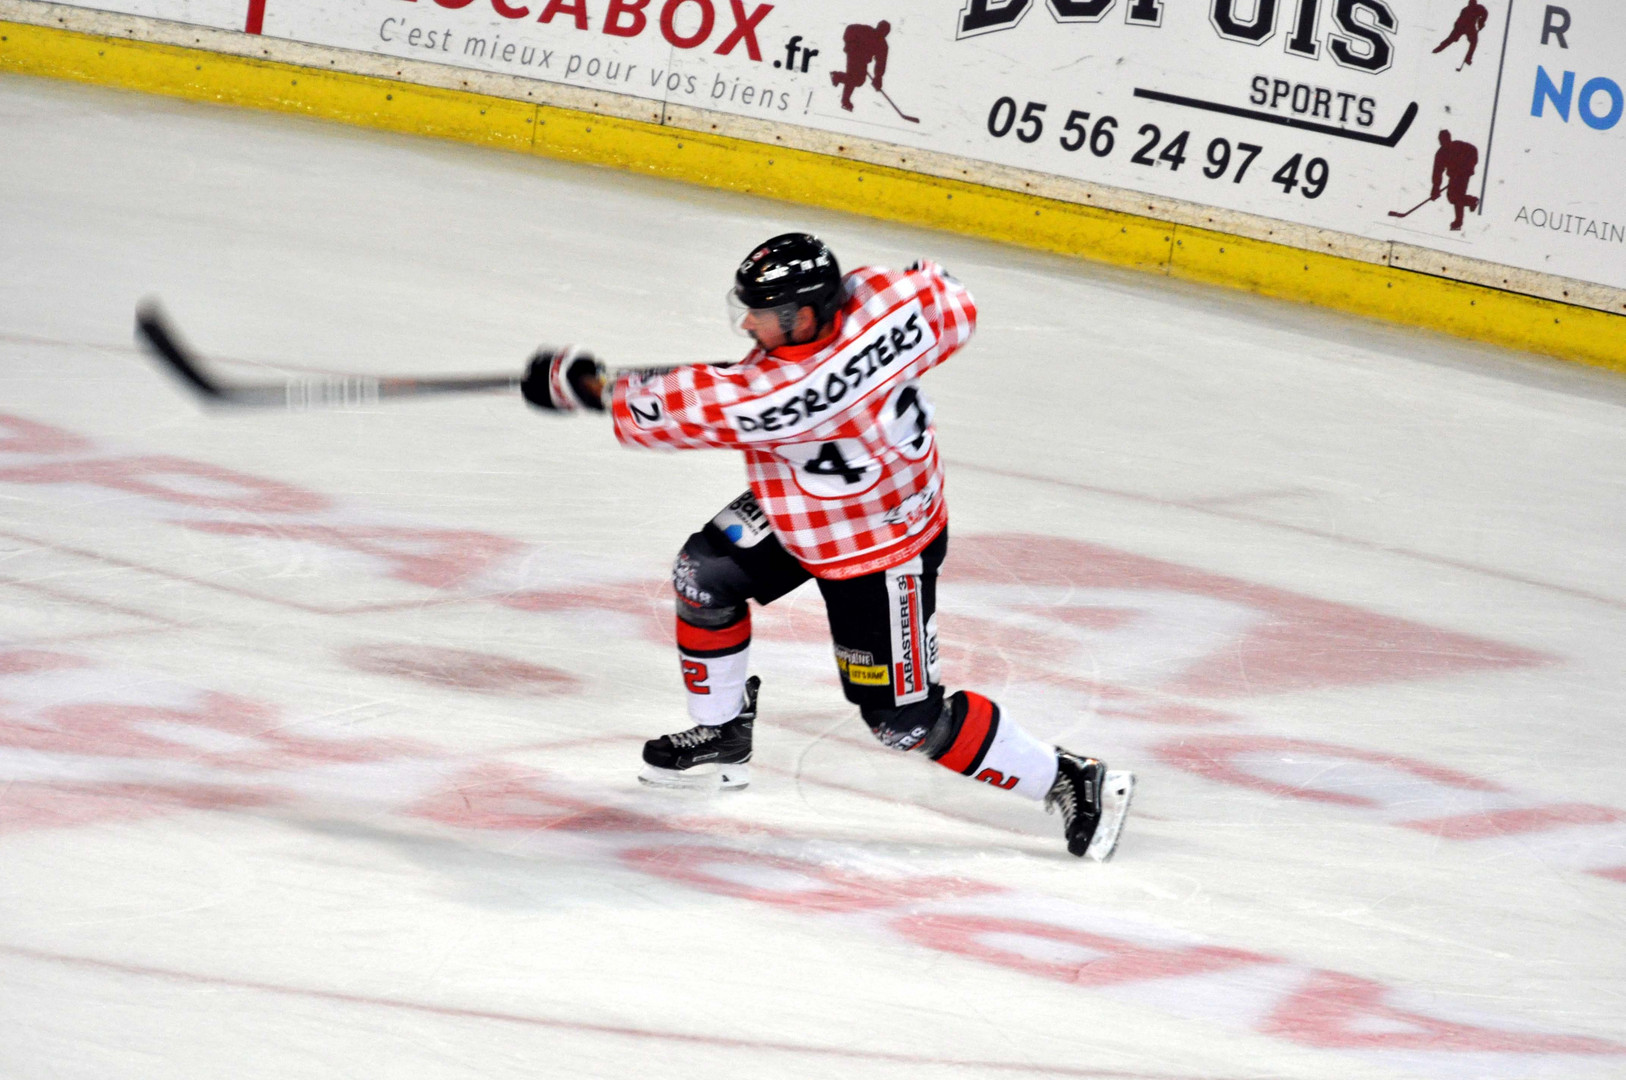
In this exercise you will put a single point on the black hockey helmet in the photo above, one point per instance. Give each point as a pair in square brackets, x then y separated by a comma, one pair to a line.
[789, 272]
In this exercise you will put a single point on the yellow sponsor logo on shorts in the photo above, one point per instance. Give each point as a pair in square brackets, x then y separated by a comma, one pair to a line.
[864, 674]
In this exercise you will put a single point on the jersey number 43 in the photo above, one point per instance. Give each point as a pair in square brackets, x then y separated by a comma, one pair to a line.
[840, 468]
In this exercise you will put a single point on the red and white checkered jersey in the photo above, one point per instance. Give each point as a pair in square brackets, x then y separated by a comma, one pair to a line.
[838, 437]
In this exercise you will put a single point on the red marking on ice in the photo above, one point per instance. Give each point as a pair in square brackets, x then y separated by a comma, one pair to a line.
[30, 805]
[249, 735]
[1131, 704]
[680, 1038]
[1613, 873]
[85, 601]
[1302, 642]
[436, 558]
[1346, 1012]
[256, 17]
[176, 480]
[792, 883]
[1225, 758]
[1215, 756]
[498, 796]
[643, 598]
[27, 661]
[45, 805]
[1267, 495]
[462, 669]
[126, 564]
[1091, 618]
[231, 590]
[1154, 711]
[1331, 1010]
[1107, 960]
[1523, 820]
[1201, 506]
[19, 435]
[1298, 642]
[96, 635]
[216, 731]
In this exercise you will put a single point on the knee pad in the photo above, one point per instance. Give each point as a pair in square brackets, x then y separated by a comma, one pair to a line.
[919, 726]
[710, 586]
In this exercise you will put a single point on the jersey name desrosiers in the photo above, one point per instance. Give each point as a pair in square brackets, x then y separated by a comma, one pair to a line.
[839, 382]
[838, 437]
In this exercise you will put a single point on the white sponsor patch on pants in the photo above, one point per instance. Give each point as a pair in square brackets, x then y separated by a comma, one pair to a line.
[914, 639]
[743, 522]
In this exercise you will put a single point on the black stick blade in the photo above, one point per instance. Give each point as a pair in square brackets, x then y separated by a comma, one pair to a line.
[153, 331]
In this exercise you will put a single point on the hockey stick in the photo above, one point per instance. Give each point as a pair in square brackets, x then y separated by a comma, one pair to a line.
[307, 392]
[894, 104]
[1391, 139]
[1413, 210]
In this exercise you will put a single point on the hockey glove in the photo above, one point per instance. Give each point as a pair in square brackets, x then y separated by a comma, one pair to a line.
[923, 264]
[564, 380]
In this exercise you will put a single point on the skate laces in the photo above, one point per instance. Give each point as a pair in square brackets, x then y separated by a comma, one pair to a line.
[695, 736]
[1061, 794]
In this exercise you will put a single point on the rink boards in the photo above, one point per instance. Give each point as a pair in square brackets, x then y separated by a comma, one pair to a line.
[1239, 246]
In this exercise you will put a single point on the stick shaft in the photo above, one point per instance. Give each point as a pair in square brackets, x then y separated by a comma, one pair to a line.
[302, 392]
[1413, 210]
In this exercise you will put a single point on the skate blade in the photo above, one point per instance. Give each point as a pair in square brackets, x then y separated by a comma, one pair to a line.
[700, 778]
[1116, 791]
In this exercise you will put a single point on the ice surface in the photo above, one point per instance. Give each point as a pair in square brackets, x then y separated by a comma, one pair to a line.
[319, 732]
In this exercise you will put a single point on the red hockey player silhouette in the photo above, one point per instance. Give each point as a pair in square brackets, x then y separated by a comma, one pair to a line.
[864, 45]
[1455, 161]
[1470, 21]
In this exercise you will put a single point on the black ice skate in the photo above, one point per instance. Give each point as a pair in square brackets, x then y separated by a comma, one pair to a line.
[705, 757]
[1093, 804]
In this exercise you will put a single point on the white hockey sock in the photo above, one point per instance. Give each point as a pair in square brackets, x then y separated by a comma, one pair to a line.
[992, 748]
[1015, 753]
[714, 664]
[715, 685]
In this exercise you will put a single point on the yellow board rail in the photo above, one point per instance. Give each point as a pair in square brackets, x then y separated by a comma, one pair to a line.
[1472, 311]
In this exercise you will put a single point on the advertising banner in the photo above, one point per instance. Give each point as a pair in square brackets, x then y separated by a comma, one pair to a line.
[1486, 129]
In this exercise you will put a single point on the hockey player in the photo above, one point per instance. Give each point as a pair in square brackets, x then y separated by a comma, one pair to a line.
[865, 46]
[1454, 163]
[1470, 21]
[846, 490]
